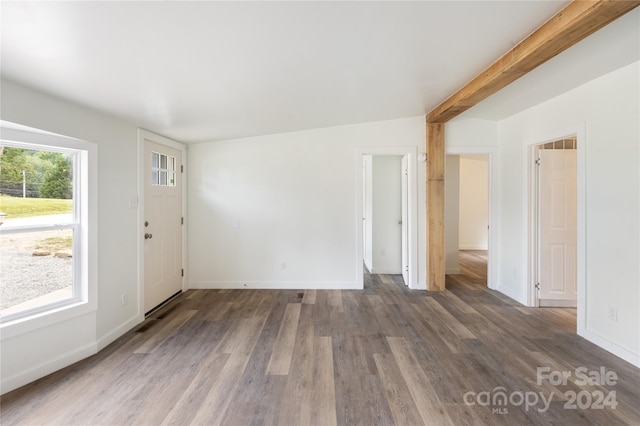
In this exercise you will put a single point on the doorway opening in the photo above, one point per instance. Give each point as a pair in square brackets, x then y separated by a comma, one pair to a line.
[387, 214]
[468, 216]
[555, 237]
[385, 242]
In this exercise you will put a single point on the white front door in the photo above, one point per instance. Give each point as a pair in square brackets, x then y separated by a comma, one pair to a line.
[163, 223]
[557, 227]
[405, 220]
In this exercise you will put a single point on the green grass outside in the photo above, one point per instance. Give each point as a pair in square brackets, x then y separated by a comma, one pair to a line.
[15, 207]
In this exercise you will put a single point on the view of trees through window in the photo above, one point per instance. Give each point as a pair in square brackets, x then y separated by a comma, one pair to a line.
[36, 228]
[35, 174]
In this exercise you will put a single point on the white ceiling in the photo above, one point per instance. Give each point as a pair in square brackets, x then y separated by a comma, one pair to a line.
[199, 71]
[611, 48]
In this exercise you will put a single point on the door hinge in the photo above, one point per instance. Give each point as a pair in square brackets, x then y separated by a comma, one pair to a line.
[406, 172]
[538, 286]
[182, 220]
[406, 268]
[182, 272]
[181, 168]
[538, 162]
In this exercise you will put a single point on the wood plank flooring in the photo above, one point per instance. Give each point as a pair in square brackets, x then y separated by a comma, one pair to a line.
[385, 355]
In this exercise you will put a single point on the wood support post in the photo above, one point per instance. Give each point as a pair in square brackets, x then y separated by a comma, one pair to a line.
[435, 206]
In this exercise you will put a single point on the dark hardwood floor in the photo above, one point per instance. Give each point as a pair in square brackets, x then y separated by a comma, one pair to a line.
[385, 355]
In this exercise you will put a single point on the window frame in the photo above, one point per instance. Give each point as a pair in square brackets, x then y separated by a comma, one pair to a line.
[83, 224]
[157, 170]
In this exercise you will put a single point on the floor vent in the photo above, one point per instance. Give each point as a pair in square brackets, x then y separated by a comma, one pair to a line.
[162, 305]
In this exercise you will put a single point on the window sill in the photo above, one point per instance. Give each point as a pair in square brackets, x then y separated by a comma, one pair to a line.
[44, 319]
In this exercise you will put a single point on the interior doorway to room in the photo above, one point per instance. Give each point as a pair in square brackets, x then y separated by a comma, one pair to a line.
[556, 223]
[385, 207]
[162, 224]
[467, 204]
[474, 216]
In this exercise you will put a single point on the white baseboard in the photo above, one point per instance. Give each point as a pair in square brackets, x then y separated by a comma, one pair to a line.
[386, 271]
[420, 285]
[518, 296]
[473, 248]
[275, 285]
[111, 336]
[609, 346]
[557, 303]
[452, 271]
[44, 369]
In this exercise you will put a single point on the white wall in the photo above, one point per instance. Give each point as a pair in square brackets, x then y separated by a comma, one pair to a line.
[468, 134]
[294, 198]
[387, 212]
[367, 161]
[451, 213]
[474, 202]
[606, 111]
[32, 355]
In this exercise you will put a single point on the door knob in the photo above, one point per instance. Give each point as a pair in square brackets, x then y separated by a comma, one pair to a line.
[147, 236]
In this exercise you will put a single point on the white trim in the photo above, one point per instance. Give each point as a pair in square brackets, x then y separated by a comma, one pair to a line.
[386, 271]
[276, 285]
[557, 303]
[492, 153]
[611, 347]
[118, 332]
[44, 369]
[44, 319]
[411, 153]
[473, 248]
[142, 136]
[512, 293]
[86, 213]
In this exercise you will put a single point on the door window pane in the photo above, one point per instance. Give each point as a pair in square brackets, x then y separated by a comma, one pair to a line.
[163, 168]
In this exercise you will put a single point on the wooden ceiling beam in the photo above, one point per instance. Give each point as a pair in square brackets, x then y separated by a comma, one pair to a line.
[576, 21]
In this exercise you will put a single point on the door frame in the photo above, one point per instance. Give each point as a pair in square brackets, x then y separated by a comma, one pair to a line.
[139, 203]
[404, 214]
[492, 154]
[412, 192]
[532, 212]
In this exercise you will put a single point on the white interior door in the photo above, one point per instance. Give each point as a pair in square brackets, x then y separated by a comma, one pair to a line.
[163, 224]
[557, 215]
[405, 220]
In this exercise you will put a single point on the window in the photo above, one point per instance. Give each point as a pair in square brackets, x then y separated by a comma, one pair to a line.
[163, 169]
[46, 231]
